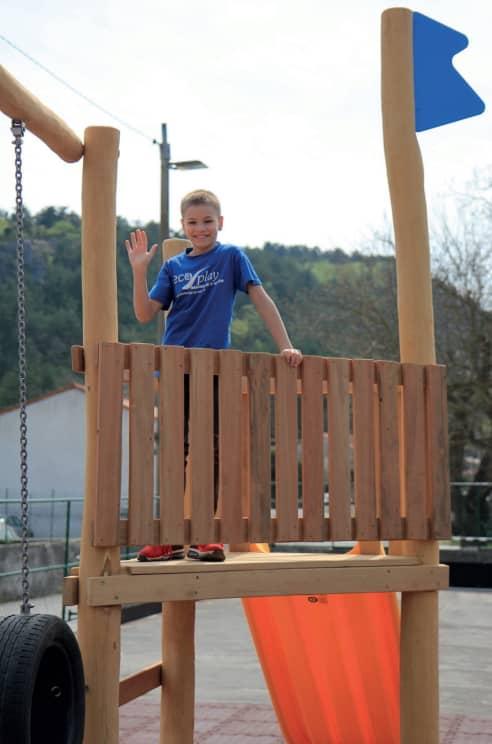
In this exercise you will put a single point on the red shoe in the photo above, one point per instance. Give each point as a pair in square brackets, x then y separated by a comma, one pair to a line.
[161, 553]
[212, 552]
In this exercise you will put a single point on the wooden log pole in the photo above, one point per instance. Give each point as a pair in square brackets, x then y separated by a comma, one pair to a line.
[178, 690]
[419, 691]
[18, 103]
[178, 633]
[98, 628]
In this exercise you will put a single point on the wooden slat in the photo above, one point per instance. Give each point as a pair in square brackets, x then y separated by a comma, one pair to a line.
[230, 444]
[363, 448]
[388, 377]
[140, 683]
[245, 445]
[70, 591]
[259, 366]
[271, 581]
[414, 452]
[312, 448]
[141, 454]
[437, 455]
[377, 451]
[338, 450]
[108, 445]
[171, 451]
[201, 445]
[286, 472]
[78, 358]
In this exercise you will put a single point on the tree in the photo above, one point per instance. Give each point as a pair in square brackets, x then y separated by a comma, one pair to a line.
[463, 266]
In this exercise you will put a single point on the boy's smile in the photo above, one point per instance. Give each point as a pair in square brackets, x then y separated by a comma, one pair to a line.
[201, 223]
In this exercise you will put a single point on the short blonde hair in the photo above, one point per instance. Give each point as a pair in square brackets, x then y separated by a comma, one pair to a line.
[200, 196]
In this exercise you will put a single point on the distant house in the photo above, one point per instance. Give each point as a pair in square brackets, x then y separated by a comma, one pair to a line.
[56, 447]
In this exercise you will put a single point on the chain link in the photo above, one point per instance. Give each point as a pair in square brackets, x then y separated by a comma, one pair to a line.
[18, 132]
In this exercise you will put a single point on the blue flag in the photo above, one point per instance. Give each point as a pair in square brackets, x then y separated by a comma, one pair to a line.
[441, 95]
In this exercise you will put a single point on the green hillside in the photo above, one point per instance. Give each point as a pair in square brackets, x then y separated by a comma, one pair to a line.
[333, 304]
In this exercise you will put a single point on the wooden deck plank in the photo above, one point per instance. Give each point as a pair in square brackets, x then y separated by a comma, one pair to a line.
[338, 450]
[259, 366]
[388, 377]
[108, 445]
[312, 448]
[230, 444]
[286, 475]
[141, 449]
[271, 561]
[201, 445]
[171, 451]
[414, 452]
[363, 371]
[437, 456]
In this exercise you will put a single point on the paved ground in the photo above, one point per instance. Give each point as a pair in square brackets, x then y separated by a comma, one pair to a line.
[230, 723]
[233, 705]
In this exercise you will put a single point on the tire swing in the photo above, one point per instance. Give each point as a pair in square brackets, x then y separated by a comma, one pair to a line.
[42, 691]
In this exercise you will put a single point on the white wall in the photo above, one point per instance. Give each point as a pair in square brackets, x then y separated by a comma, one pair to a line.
[56, 447]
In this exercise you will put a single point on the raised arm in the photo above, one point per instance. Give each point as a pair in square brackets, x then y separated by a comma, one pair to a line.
[268, 311]
[140, 258]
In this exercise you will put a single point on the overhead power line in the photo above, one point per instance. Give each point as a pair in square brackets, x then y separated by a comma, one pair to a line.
[78, 93]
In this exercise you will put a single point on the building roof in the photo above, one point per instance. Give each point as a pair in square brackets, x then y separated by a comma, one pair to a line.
[59, 391]
[38, 398]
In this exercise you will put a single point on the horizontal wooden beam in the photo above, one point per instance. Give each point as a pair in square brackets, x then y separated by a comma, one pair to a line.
[140, 683]
[272, 537]
[116, 590]
[18, 103]
[78, 365]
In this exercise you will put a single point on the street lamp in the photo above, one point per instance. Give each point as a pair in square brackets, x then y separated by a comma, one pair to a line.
[166, 165]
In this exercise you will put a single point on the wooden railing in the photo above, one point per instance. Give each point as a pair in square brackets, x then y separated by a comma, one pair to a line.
[357, 448]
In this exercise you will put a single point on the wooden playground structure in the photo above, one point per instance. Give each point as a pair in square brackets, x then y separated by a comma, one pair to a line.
[385, 422]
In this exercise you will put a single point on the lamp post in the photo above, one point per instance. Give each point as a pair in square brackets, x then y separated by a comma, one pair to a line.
[166, 165]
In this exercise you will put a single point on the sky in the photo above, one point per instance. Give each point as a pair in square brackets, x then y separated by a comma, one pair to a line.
[280, 99]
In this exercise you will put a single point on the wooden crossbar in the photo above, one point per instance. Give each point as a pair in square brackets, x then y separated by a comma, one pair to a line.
[337, 449]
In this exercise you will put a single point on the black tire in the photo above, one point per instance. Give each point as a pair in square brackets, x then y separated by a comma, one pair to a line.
[42, 691]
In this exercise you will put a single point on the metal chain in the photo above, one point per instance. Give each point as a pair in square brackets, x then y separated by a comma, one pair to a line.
[18, 132]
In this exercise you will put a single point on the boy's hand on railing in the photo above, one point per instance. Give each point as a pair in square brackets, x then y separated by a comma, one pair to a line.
[136, 247]
[293, 357]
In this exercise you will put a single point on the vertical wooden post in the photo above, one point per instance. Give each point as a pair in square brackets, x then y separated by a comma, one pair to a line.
[419, 692]
[178, 637]
[98, 627]
[178, 690]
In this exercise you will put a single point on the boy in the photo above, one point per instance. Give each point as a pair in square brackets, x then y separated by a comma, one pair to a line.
[200, 286]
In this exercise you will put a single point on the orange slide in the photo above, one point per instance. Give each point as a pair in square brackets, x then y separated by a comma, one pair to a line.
[331, 663]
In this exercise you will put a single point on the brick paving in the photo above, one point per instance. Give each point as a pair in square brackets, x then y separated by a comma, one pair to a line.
[235, 723]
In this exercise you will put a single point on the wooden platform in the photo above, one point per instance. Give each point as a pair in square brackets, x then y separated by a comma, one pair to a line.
[264, 574]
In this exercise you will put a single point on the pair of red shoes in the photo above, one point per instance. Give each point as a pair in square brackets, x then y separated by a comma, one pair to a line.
[212, 552]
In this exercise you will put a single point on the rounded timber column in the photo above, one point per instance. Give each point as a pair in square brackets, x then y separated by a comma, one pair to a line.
[419, 687]
[98, 627]
[178, 688]
[178, 631]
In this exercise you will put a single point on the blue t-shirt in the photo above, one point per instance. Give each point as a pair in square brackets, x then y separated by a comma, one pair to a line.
[201, 290]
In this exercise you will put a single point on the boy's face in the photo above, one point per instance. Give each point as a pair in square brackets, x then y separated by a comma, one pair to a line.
[201, 223]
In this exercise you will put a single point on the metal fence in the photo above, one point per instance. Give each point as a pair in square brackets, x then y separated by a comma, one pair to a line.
[60, 518]
[471, 509]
